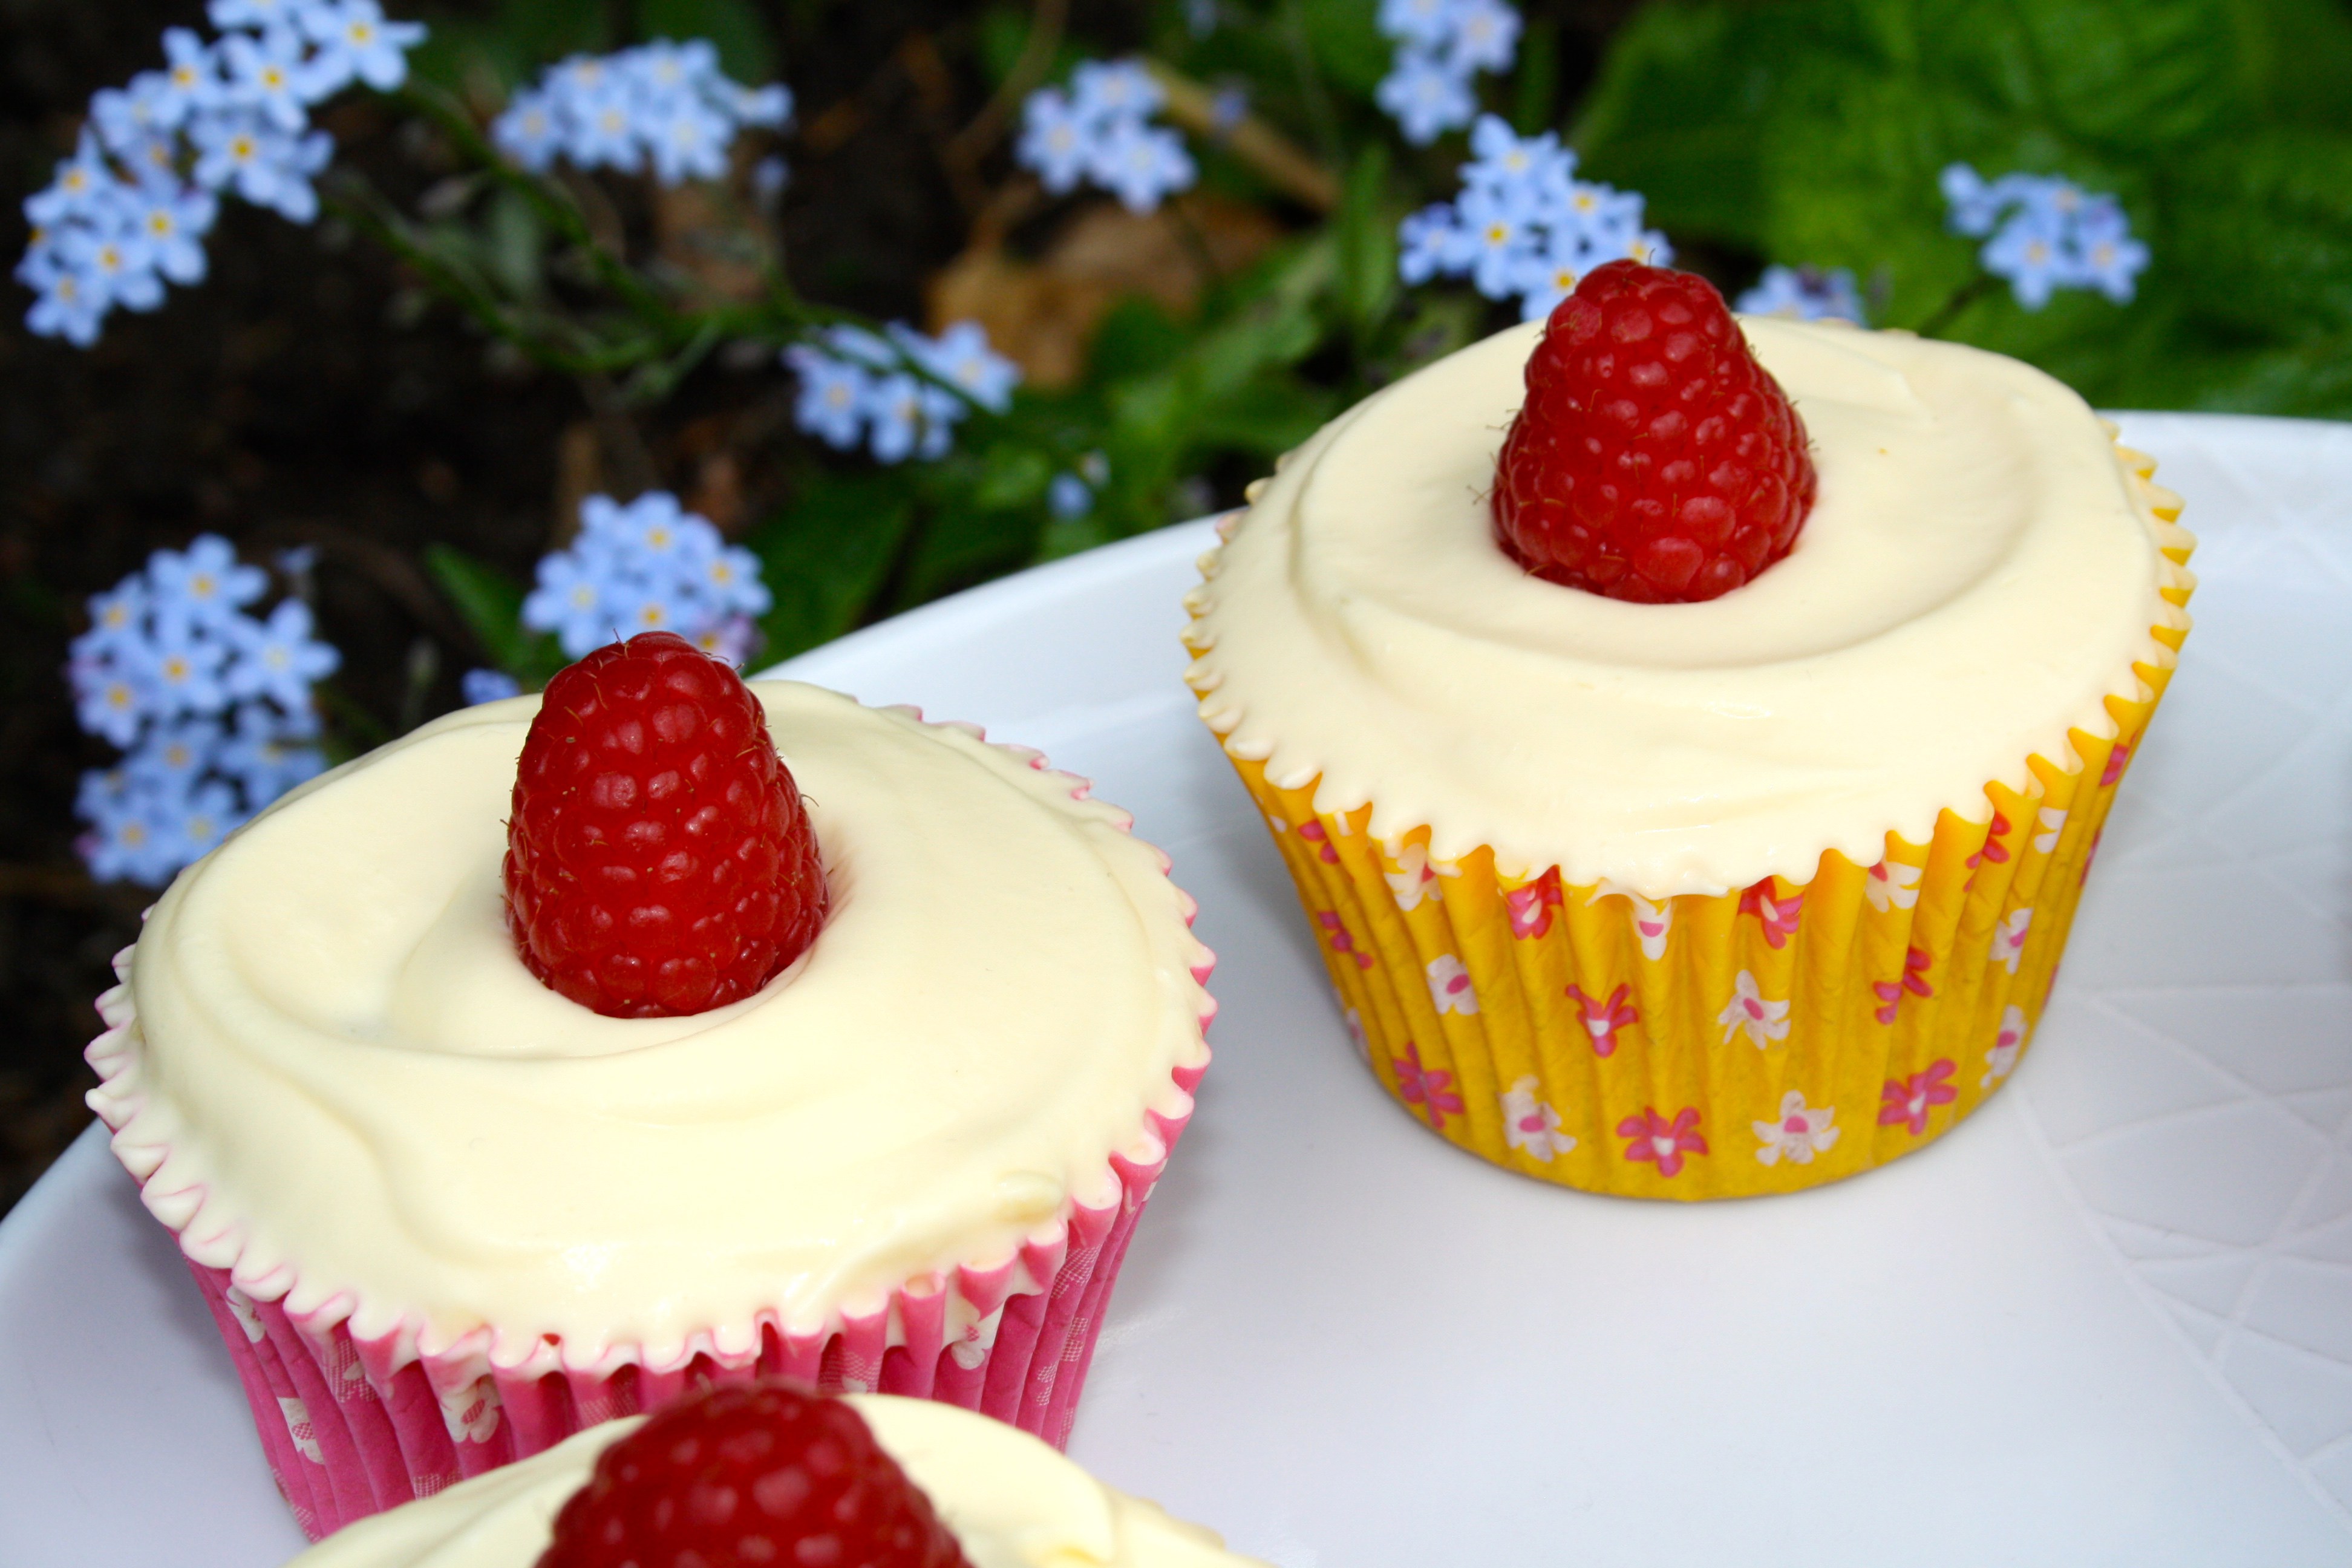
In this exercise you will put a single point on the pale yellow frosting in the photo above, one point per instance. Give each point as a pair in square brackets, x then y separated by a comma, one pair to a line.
[1011, 1501]
[1980, 573]
[356, 1091]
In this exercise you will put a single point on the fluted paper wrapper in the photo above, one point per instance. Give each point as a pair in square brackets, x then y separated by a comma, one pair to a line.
[1708, 1046]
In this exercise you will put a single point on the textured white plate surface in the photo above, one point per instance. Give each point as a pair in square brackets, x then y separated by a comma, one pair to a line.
[2109, 1319]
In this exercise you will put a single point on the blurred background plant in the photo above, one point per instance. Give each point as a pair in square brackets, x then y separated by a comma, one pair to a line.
[765, 318]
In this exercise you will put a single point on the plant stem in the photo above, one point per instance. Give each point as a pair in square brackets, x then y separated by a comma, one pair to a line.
[1966, 295]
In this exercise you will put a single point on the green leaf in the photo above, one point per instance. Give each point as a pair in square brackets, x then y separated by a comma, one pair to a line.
[2268, 219]
[1536, 99]
[825, 559]
[1366, 229]
[1136, 338]
[963, 545]
[1346, 43]
[746, 52]
[490, 603]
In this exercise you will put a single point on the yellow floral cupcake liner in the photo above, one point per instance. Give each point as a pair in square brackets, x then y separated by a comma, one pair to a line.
[1708, 1047]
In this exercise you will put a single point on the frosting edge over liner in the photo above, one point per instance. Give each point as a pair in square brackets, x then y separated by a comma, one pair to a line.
[1359, 624]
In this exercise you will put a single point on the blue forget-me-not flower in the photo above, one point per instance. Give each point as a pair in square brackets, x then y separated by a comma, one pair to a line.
[2042, 233]
[1441, 47]
[664, 106]
[1524, 225]
[1099, 132]
[130, 209]
[646, 566]
[856, 387]
[1805, 294]
[211, 704]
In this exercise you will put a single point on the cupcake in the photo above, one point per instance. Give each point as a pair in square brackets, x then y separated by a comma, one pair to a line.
[929, 1486]
[457, 1182]
[1690, 778]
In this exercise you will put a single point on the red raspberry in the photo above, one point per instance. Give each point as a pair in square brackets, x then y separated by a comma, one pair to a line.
[765, 1473]
[658, 858]
[1655, 459]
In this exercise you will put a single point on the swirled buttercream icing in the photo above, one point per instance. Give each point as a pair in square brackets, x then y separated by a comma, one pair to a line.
[1980, 572]
[363, 1099]
[1011, 1501]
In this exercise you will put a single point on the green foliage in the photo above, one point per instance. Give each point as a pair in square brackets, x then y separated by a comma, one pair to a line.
[1814, 131]
[491, 604]
[824, 559]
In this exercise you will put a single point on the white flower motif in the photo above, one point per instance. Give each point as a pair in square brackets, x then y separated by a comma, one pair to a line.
[2009, 940]
[241, 1308]
[2001, 1061]
[1802, 1132]
[1650, 920]
[1277, 824]
[298, 1427]
[2053, 819]
[1747, 1013]
[1450, 990]
[1416, 875]
[1532, 1124]
[1892, 886]
[471, 1412]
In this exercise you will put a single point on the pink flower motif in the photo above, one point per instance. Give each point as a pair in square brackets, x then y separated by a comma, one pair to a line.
[1994, 850]
[1603, 1019]
[1427, 1087]
[1313, 833]
[1907, 1099]
[1778, 915]
[1651, 1136]
[2116, 759]
[1340, 940]
[1532, 905]
[1916, 964]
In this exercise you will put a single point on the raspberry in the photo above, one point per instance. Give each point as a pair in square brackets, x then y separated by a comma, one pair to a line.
[659, 859]
[1655, 459]
[765, 1473]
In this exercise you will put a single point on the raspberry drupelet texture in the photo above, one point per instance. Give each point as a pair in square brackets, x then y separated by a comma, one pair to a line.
[659, 860]
[1655, 459]
[761, 1474]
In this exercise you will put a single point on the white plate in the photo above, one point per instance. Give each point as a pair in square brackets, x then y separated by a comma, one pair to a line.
[2109, 1319]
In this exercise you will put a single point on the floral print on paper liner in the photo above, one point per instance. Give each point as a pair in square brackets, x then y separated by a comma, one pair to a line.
[1651, 1138]
[1532, 1126]
[1750, 1014]
[1334, 932]
[1653, 921]
[1416, 875]
[2002, 1059]
[2009, 940]
[1450, 990]
[1531, 907]
[1603, 1020]
[1908, 1101]
[1798, 1133]
[1779, 914]
[1893, 886]
[1429, 1089]
[1916, 962]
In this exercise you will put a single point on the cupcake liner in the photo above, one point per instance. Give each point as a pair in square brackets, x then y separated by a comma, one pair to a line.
[354, 1424]
[1712, 1045]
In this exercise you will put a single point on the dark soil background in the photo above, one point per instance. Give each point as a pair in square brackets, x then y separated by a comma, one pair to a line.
[307, 393]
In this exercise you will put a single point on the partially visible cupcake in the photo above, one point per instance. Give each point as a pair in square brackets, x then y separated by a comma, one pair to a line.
[446, 1215]
[951, 1489]
[1690, 792]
